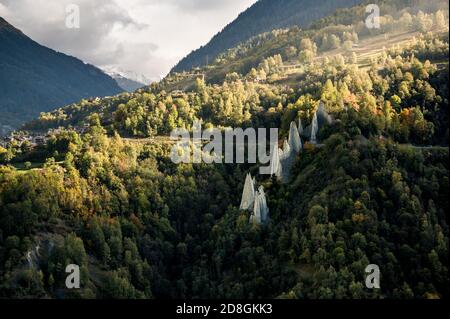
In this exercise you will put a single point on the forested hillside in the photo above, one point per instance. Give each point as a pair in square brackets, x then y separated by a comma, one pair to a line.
[263, 16]
[103, 193]
[36, 79]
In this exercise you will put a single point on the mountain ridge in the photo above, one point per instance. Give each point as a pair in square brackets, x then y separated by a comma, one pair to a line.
[35, 78]
[252, 22]
[128, 80]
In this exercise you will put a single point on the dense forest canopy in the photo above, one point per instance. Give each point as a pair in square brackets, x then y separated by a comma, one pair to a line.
[102, 192]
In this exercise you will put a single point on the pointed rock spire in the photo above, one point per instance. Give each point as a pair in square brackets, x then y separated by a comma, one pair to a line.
[286, 150]
[275, 163]
[287, 160]
[264, 209]
[260, 213]
[255, 201]
[281, 156]
[323, 116]
[256, 215]
[248, 194]
[300, 126]
[314, 129]
[295, 142]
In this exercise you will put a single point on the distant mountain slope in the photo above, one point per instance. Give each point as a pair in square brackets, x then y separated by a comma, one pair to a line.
[265, 15]
[127, 84]
[127, 80]
[35, 79]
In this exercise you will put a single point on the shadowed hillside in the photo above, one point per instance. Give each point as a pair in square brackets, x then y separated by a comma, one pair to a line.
[265, 15]
[35, 79]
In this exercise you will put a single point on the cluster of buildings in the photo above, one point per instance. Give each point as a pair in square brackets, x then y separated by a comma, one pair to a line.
[35, 139]
[19, 139]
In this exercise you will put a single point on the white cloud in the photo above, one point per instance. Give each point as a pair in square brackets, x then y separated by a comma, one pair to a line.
[144, 36]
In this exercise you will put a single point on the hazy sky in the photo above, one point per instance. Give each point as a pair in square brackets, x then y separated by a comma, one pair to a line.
[144, 36]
